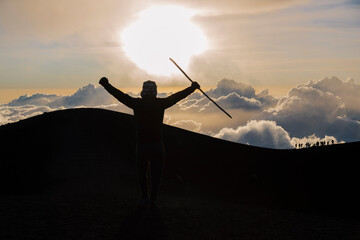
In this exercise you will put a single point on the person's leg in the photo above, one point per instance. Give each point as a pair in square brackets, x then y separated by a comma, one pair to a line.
[156, 166]
[142, 166]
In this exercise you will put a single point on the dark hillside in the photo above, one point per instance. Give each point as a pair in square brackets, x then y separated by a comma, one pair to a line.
[71, 175]
[47, 151]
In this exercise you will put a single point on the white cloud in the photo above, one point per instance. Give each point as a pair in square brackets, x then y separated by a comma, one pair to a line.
[232, 101]
[311, 111]
[348, 91]
[228, 86]
[319, 107]
[53, 20]
[313, 139]
[192, 105]
[48, 21]
[88, 96]
[3, 119]
[235, 6]
[36, 100]
[258, 133]
[190, 125]
[9, 114]
[229, 94]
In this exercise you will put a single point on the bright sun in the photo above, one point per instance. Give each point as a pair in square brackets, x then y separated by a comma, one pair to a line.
[160, 33]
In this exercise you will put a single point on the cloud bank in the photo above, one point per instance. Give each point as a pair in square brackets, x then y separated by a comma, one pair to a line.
[322, 110]
[27, 106]
[325, 107]
[258, 133]
[230, 95]
[312, 140]
[190, 125]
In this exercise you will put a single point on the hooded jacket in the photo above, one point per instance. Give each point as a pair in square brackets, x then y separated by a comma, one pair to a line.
[148, 112]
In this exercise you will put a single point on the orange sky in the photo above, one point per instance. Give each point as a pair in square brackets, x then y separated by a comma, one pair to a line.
[267, 44]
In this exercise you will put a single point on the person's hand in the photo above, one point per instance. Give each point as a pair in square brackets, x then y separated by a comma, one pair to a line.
[195, 85]
[103, 81]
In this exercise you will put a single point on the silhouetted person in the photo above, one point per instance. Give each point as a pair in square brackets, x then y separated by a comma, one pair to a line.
[149, 114]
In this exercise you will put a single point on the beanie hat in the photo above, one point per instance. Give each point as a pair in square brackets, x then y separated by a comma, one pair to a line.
[149, 89]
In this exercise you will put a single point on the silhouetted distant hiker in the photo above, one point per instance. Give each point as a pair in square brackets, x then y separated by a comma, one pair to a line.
[149, 114]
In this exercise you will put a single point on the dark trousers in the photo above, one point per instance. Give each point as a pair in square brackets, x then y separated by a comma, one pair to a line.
[150, 155]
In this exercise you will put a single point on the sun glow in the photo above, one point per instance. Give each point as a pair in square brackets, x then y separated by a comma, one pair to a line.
[160, 33]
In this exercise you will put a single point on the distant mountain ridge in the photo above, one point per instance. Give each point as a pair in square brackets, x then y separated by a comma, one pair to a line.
[41, 151]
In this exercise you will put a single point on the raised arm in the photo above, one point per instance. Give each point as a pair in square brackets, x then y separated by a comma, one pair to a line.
[119, 95]
[176, 97]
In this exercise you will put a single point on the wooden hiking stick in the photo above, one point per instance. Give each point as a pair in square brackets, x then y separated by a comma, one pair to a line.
[199, 88]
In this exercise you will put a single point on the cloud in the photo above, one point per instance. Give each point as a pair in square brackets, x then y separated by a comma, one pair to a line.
[186, 114]
[229, 94]
[233, 101]
[313, 139]
[48, 21]
[52, 39]
[348, 91]
[319, 107]
[313, 111]
[258, 133]
[266, 99]
[3, 120]
[88, 96]
[190, 125]
[66, 41]
[236, 7]
[227, 86]
[9, 114]
[322, 110]
[36, 100]
[192, 105]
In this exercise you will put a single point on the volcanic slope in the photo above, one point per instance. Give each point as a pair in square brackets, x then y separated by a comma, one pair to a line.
[78, 164]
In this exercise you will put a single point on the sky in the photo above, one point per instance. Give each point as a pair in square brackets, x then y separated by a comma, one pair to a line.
[297, 49]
